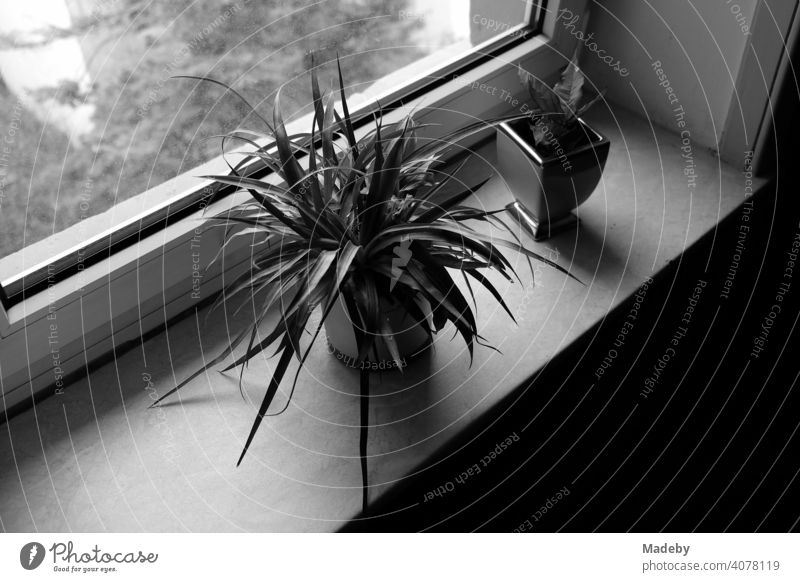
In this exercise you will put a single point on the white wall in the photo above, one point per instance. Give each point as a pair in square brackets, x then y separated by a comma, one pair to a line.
[700, 44]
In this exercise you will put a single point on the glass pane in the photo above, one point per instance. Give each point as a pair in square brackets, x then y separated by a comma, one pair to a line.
[91, 116]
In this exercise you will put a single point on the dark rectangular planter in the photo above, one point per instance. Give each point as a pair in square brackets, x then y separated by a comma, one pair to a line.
[548, 189]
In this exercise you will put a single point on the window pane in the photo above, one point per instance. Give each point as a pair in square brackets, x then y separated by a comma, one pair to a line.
[91, 116]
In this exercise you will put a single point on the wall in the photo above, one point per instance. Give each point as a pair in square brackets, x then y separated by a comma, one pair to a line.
[699, 44]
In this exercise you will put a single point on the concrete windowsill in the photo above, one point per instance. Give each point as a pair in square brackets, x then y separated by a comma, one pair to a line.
[96, 458]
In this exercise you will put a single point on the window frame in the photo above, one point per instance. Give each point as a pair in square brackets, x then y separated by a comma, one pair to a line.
[127, 232]
[100, 310]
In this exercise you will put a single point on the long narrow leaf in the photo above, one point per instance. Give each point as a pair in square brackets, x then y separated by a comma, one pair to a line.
[292, 171]
[274, 383]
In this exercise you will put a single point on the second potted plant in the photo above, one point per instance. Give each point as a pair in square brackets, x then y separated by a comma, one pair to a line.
[552, 160]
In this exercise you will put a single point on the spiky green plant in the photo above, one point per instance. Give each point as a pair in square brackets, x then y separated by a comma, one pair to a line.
[554, 112]
[330, 230]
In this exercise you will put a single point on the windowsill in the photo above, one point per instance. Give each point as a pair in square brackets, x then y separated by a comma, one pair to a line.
[122, 467]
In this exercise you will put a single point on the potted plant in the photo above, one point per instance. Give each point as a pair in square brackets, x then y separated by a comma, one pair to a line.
[364, 230]
[552, 160]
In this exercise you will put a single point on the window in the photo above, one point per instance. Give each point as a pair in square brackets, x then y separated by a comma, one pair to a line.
[96, 119]
[77, 295]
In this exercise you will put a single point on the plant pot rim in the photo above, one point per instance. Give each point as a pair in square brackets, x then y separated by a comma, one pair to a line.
[509, 128]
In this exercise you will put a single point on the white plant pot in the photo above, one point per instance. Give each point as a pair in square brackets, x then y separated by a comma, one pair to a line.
[409, 335]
